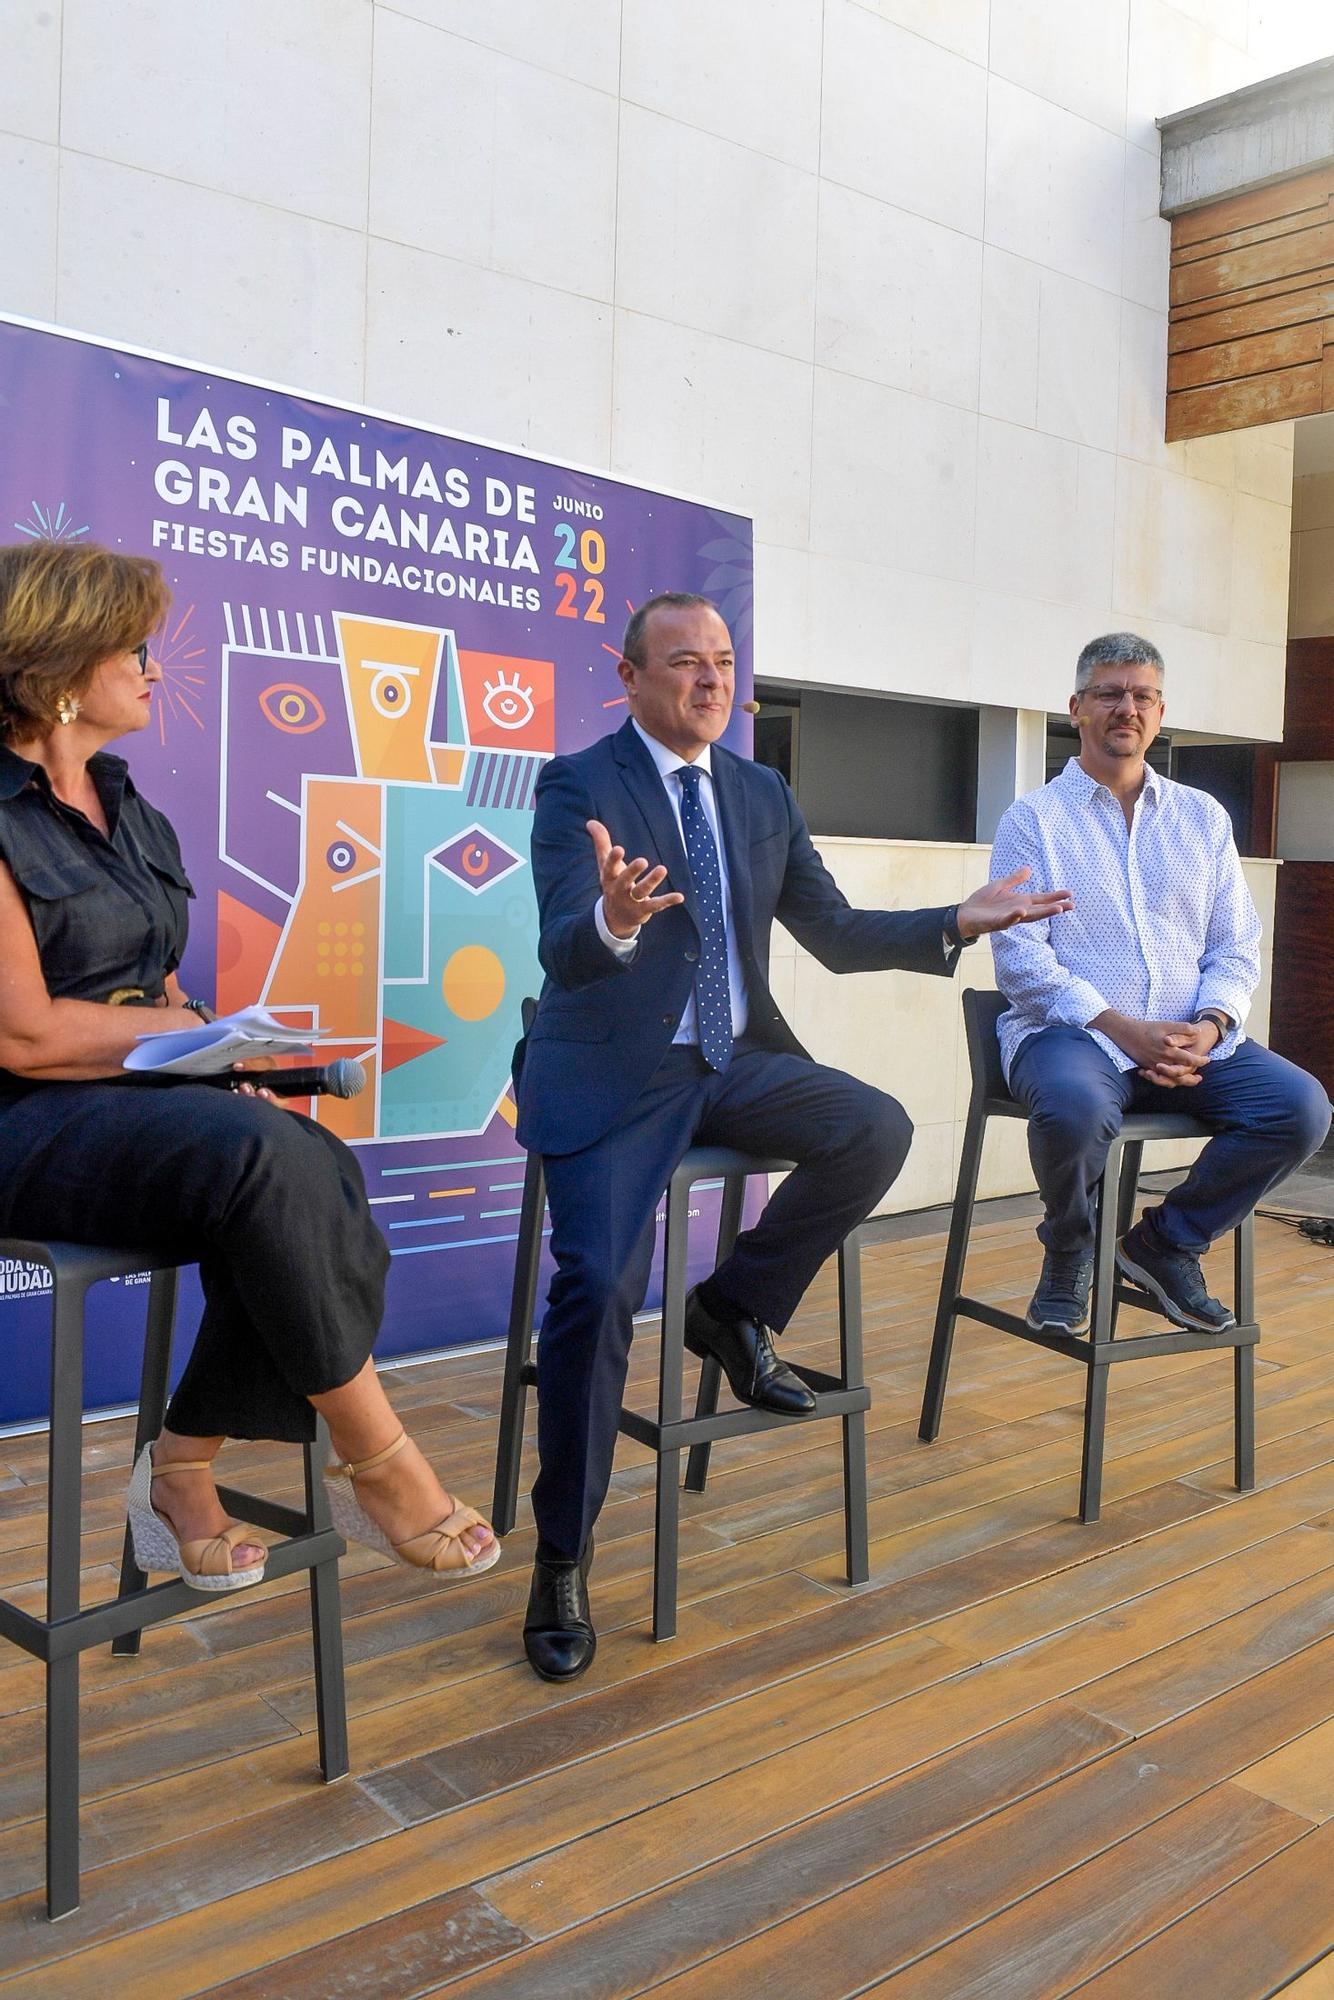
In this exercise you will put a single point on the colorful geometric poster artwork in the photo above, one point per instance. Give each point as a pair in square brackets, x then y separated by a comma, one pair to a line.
[402, 858]
[378, 635]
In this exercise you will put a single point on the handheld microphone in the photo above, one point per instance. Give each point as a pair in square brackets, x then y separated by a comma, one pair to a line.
[344, 1078]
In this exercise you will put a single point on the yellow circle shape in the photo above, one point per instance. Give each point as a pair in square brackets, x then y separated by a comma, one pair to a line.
[473, 983]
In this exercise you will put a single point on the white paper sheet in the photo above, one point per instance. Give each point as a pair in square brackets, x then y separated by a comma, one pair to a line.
[216, 1045]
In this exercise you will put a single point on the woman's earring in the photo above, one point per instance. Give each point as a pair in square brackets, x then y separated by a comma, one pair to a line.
[66, 708]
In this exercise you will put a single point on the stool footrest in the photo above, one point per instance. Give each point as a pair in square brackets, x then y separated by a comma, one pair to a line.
[1072, 1344]
[739, 1422]
[141, 1608]
[258, 1512]
[822, 1383]
[1081, 1347]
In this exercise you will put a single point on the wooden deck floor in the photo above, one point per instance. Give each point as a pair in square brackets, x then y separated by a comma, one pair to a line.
[1028, 1759]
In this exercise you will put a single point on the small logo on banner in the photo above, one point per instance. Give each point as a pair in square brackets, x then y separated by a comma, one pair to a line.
[17, 1278]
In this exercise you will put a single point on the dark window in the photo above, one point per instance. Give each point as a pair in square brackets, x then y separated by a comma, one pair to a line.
[776, 730]
[872, 766]
[1227, 772]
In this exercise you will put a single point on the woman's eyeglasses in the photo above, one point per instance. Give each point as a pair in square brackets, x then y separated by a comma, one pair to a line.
[141, 655]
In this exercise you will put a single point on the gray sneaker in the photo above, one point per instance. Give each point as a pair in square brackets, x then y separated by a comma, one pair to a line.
[1061, 1301]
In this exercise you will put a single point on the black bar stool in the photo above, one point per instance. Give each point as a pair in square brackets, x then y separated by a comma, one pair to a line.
[1098, 1348]
[66, 1631]
[670, 1433]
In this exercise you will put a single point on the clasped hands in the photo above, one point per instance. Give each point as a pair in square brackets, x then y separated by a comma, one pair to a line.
[1168, 1053]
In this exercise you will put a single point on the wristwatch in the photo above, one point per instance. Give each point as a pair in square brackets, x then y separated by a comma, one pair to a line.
[949, 930]
[1219, 1019]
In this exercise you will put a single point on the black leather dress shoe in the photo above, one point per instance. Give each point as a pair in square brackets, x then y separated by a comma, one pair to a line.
[558, 1634]
[746, 1352]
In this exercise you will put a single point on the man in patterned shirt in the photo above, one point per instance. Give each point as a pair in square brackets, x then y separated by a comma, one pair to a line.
[1135, 1000]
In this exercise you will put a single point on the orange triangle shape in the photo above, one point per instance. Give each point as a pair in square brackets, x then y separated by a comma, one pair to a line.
[402, 1044]
[247, 944]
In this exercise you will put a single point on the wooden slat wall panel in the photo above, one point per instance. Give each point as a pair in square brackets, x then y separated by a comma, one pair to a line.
[1255, 399]
[1242, 211]
[1302, 1001]
[1261, 354]
[1275, 261]
[1235, 322]
[1251, 330]
[1259, 232]
[1308, 709]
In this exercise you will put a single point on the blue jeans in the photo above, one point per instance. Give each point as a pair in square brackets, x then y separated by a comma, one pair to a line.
[1267, 1115]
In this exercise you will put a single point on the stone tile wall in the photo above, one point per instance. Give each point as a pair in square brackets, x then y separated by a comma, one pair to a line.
[888, 274]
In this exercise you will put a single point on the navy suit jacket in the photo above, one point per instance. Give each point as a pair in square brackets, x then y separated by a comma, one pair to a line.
[603, 1024]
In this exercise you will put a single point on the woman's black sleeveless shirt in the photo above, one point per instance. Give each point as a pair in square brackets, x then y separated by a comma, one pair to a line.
[109, 912]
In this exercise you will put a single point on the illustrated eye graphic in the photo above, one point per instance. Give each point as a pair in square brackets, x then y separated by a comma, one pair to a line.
[341, 856]
[391, 688]
[509, 704]
[294, 710]
[476, 858]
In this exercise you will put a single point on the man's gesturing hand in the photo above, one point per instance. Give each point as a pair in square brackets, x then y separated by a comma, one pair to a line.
[999, 904]
[628, 898]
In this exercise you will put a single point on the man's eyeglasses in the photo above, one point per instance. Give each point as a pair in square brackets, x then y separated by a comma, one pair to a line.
[1146, 699]
[141, 655]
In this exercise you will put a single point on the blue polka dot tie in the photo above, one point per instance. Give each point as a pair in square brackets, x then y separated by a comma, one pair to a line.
[713, 993]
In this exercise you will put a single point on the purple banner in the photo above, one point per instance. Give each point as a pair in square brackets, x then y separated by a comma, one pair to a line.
[377, 635]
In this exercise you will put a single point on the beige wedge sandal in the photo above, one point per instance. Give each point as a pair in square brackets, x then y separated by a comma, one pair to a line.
[205, 1562]
[438, 1550]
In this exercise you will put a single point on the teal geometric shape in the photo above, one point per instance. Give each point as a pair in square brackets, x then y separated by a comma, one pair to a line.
[432, 912]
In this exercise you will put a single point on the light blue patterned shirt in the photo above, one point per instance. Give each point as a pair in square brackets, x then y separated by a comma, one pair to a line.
[1163, 924]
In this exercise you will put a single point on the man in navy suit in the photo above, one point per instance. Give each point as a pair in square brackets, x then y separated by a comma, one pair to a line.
[661, 862]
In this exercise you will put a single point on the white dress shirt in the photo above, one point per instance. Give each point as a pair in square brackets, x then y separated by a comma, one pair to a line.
[1163, 924]
[667, 763]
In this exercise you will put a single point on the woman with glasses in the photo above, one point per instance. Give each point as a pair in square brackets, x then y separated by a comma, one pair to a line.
[93, 911]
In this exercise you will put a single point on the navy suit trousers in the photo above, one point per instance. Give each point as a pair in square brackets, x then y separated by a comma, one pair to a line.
[850, 1142]
[1268, 1116]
